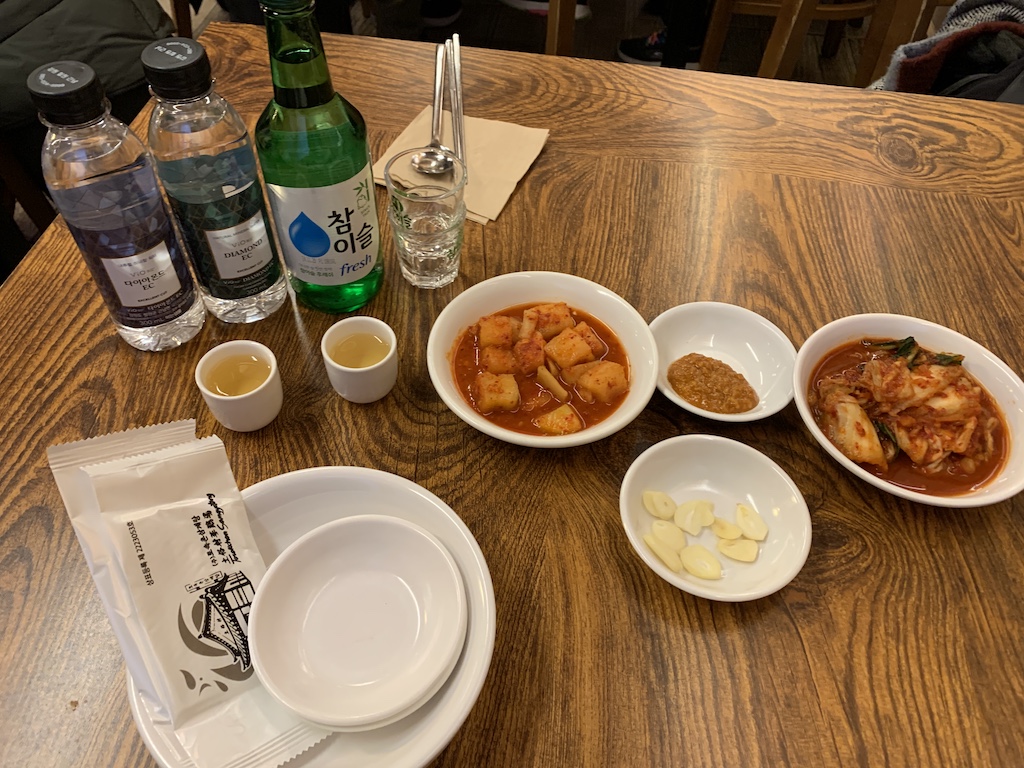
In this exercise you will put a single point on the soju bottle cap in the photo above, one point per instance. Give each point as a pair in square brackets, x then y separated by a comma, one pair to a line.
[67, 92]
[177, 68]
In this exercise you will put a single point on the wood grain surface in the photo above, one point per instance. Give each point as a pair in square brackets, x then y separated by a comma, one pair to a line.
[899, 644]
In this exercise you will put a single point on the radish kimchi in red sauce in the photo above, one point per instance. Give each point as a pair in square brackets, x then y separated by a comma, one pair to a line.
[861, 374]
[537, 411]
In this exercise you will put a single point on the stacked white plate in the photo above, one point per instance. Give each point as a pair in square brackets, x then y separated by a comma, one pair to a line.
[284, 509]
[358, 623]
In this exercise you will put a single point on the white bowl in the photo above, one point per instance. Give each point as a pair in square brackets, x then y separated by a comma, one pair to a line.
[726, 473]
[750, 344]
[509, 290]
[357, 620]
[999, 380]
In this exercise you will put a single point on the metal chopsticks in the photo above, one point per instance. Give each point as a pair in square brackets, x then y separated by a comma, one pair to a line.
[453, 58]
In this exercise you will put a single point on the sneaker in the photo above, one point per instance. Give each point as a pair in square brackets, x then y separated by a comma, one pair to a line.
[541, 8]
[439, 13]
[648, 50]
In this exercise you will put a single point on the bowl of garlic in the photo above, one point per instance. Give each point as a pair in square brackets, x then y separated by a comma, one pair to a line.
[715, 518]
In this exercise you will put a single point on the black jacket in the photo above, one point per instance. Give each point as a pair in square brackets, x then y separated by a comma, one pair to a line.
[108, 35]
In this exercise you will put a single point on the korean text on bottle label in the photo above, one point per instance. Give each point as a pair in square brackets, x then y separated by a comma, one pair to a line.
[329, 235]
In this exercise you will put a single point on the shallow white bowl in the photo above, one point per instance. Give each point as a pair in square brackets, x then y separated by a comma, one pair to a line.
[997, 377]
[504, 291]
[752, 345]
[726, 473]
[357, 620]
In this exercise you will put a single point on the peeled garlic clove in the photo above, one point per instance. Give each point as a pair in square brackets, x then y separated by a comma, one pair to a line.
[698, 560]
[693, 515]
[665, 553]
[743, 550]
[750, 523]
[659, 504]
[723, 529]
[688, 520]
[669, 533]
[706, 511]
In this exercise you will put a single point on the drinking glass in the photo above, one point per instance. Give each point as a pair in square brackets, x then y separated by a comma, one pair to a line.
[427, 215]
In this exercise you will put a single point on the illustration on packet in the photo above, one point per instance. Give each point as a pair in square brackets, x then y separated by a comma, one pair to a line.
[192, 567]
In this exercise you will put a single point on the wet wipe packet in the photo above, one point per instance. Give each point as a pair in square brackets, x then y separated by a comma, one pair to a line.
[165, 531]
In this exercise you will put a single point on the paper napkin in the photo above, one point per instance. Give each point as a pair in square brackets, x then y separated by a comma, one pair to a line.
[498, 155]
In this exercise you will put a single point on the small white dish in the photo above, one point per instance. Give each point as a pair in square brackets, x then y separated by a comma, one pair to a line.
[725, 472]
[753, 346]
[999, 380]
[517, 288]
[357, 621]
[366, 384]
[253, 408]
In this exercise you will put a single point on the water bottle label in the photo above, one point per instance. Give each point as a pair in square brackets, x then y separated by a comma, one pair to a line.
[240, 250]
[145, 278]
[329, 235]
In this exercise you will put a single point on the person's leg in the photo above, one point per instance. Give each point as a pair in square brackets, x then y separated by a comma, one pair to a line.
[331, 15]
[540, 7]
[686, 22]
[440, 13]
[242, 11]
[334, 16]
[648, 50]
[399, 19]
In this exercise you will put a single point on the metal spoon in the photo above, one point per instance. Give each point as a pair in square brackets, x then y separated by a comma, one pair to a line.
[432, 158]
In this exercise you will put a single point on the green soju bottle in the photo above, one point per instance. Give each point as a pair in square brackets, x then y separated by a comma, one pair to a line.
[316, 164]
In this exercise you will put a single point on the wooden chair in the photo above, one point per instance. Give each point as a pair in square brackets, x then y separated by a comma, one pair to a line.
[893, 23]
[182, 18]
[17, 187]
[561, 27]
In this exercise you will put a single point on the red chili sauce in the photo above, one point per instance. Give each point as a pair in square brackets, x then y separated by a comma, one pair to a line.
[534, 399]
[902, 471]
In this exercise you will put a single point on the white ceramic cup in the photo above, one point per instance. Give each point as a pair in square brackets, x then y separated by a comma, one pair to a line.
[252, 410]
[361, 385]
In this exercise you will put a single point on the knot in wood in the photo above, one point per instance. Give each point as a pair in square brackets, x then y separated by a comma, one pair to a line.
[896, 149]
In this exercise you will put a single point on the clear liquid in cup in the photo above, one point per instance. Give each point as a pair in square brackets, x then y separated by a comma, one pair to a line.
[360, 350]
[237, 375]
[429, 248]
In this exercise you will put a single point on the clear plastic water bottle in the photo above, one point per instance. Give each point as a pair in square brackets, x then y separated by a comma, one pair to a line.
[205, 159]
[101, 179]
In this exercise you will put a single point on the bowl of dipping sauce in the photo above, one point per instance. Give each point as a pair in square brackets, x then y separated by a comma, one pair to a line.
[723, 362]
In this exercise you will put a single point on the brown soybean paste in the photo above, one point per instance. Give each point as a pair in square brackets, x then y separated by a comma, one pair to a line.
[711, 384]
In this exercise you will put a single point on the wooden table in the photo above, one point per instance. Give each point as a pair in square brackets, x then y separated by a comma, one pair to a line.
[898, 644]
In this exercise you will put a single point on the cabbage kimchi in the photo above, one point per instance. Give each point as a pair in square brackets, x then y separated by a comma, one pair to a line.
[878, 400]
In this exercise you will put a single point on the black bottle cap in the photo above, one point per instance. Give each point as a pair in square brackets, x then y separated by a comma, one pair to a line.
[67, 92]
[177, 68]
